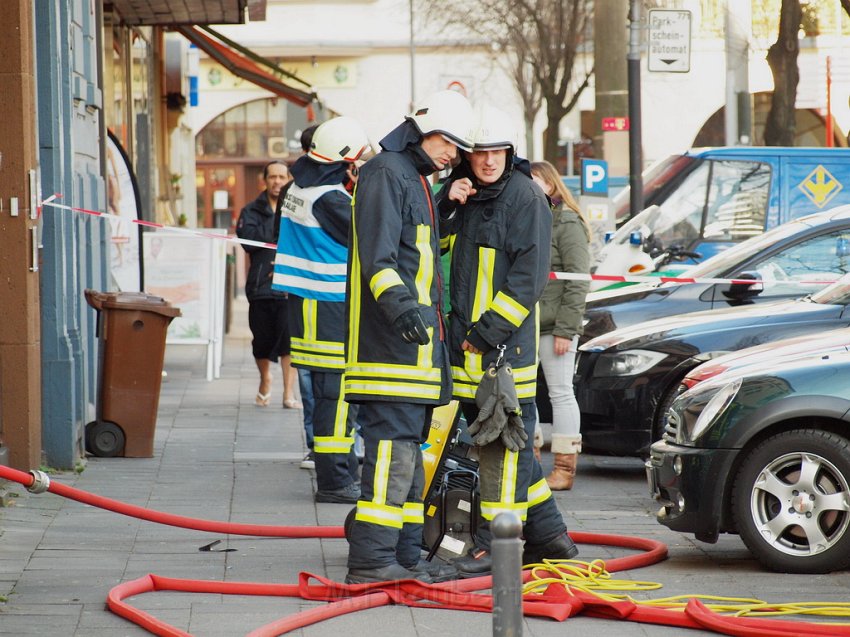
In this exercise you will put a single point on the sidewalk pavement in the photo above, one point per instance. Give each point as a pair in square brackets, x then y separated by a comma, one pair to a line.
[219, 457]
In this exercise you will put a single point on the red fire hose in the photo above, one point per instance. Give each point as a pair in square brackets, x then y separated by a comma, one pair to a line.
[557, 602]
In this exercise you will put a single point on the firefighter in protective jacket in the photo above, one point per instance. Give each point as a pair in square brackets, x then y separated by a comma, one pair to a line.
[498, 224]
[396, 364]
[311, 267]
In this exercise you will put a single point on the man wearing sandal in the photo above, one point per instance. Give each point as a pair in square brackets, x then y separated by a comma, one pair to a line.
[267, 315]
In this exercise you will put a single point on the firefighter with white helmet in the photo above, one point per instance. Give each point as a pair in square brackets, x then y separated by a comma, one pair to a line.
[310, 266]
[396, 365]
[500, 224]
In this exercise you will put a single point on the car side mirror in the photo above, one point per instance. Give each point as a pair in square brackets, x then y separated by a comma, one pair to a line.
[742, 291]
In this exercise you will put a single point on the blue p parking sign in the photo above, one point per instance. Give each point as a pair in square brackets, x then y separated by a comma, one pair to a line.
[594, 177]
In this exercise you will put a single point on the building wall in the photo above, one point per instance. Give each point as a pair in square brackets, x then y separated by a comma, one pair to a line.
[374, 37]
[74, 246]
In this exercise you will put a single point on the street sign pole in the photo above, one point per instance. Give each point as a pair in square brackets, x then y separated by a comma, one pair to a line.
[635, 154]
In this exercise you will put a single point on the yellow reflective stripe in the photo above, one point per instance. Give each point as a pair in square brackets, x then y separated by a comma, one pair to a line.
[414, 513]
[425, 272]
[332, 444]
[383, 280]
[490, 510]
[391, 370]
[320, 347]
[309, 313]
[483, 282]
[379, 514]
[538, 493]
[382, 471]
[509, 309]
[341, 420]
[509, 471]
[335, 364]
[426, 352]
[445, 243]
[355, 291]
[375, 388]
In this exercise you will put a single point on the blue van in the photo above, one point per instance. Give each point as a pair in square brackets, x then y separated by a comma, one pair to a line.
[706, 200]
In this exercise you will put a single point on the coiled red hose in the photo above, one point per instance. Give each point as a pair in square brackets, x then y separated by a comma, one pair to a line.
[556, 602]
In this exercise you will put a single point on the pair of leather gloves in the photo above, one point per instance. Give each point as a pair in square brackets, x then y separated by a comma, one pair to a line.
[499, 416]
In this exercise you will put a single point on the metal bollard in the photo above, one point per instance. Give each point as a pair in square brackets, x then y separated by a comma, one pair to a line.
[506, 552]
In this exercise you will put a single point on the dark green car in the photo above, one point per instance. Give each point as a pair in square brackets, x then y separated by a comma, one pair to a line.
[763, 450]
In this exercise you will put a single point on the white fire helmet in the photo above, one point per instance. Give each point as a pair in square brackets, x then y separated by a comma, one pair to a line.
[337, 140]
[494, 130]
[448, 113]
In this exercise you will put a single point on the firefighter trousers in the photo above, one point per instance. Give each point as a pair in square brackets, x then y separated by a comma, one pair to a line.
[514, 481]
[333, 432]
[387, 528]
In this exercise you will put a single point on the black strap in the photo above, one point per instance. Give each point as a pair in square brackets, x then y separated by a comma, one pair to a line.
[277, 212]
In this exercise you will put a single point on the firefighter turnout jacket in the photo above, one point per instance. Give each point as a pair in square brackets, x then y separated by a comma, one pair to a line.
[312, 253]
[499, 242]
[394, 266]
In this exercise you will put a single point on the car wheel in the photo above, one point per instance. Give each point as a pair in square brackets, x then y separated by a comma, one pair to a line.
[791, 502]
[659, 423]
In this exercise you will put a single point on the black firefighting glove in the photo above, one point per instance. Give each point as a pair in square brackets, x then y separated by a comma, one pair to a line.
[411, 327]
[499, 416]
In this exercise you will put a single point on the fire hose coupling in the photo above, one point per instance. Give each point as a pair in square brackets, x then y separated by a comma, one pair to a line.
[40, 482]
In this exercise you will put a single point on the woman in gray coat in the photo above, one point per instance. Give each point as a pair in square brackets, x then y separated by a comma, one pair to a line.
[561, 311]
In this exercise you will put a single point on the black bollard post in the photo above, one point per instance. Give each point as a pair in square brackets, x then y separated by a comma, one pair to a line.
[506, 551]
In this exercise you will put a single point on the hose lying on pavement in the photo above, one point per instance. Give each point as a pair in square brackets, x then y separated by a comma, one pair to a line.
[558, 600]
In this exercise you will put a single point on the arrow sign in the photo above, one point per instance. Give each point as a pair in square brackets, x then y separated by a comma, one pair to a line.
[669, 41]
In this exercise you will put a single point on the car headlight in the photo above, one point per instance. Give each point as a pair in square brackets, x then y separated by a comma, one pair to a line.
[629, 363]
[698, 408]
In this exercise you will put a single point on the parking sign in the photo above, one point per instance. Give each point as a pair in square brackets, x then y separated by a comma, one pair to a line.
[669, 41]
[594, 177]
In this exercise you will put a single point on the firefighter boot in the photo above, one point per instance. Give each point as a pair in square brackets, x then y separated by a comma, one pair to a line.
[389, 573]
[560, 548]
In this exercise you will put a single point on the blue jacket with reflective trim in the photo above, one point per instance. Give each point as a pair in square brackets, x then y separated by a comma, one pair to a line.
[394, 266]
[499, 267]
[312, 253]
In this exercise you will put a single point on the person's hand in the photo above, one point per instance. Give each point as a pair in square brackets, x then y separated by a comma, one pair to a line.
[466, 346]
[461, 190]
[411, 327]
[562, 345]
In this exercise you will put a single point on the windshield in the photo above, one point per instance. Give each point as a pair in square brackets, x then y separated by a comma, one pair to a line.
[655, 178]
[743, 251]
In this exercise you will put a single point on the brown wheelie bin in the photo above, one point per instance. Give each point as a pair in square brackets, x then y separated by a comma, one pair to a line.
[131, 329]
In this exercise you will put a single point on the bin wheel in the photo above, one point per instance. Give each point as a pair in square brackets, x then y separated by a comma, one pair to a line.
[104, 439]
[349, 521]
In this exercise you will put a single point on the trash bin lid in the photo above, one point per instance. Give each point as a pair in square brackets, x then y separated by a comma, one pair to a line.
[139, 301]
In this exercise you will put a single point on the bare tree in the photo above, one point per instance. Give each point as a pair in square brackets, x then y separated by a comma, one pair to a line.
[780, 127]
[536, 40]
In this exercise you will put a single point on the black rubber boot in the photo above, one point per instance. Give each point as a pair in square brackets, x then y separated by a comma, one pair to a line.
[561, 548]
[438, 571]
[476, 563]
[389, 573]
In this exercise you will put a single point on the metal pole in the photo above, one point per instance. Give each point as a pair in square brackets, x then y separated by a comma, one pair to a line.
[635, 155]
[506, 551]
[412, 60]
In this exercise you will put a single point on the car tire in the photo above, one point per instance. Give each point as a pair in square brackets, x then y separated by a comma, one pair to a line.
[659, 423]
[791, 501]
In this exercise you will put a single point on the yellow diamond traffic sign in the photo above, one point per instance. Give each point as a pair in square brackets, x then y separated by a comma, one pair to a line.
[820, 186]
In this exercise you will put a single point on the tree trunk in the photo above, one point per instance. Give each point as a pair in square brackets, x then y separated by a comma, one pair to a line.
[780, 127]
[550, 135]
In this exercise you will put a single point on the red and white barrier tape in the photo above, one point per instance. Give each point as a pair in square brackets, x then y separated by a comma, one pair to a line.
[616, 278]
[567, 276]
[159, 226]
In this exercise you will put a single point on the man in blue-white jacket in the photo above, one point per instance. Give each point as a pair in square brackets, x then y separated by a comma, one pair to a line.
[311, 266]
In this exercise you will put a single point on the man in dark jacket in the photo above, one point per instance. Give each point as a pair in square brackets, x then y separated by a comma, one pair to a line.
[396, 364]
[267, 316]
[499, 224]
